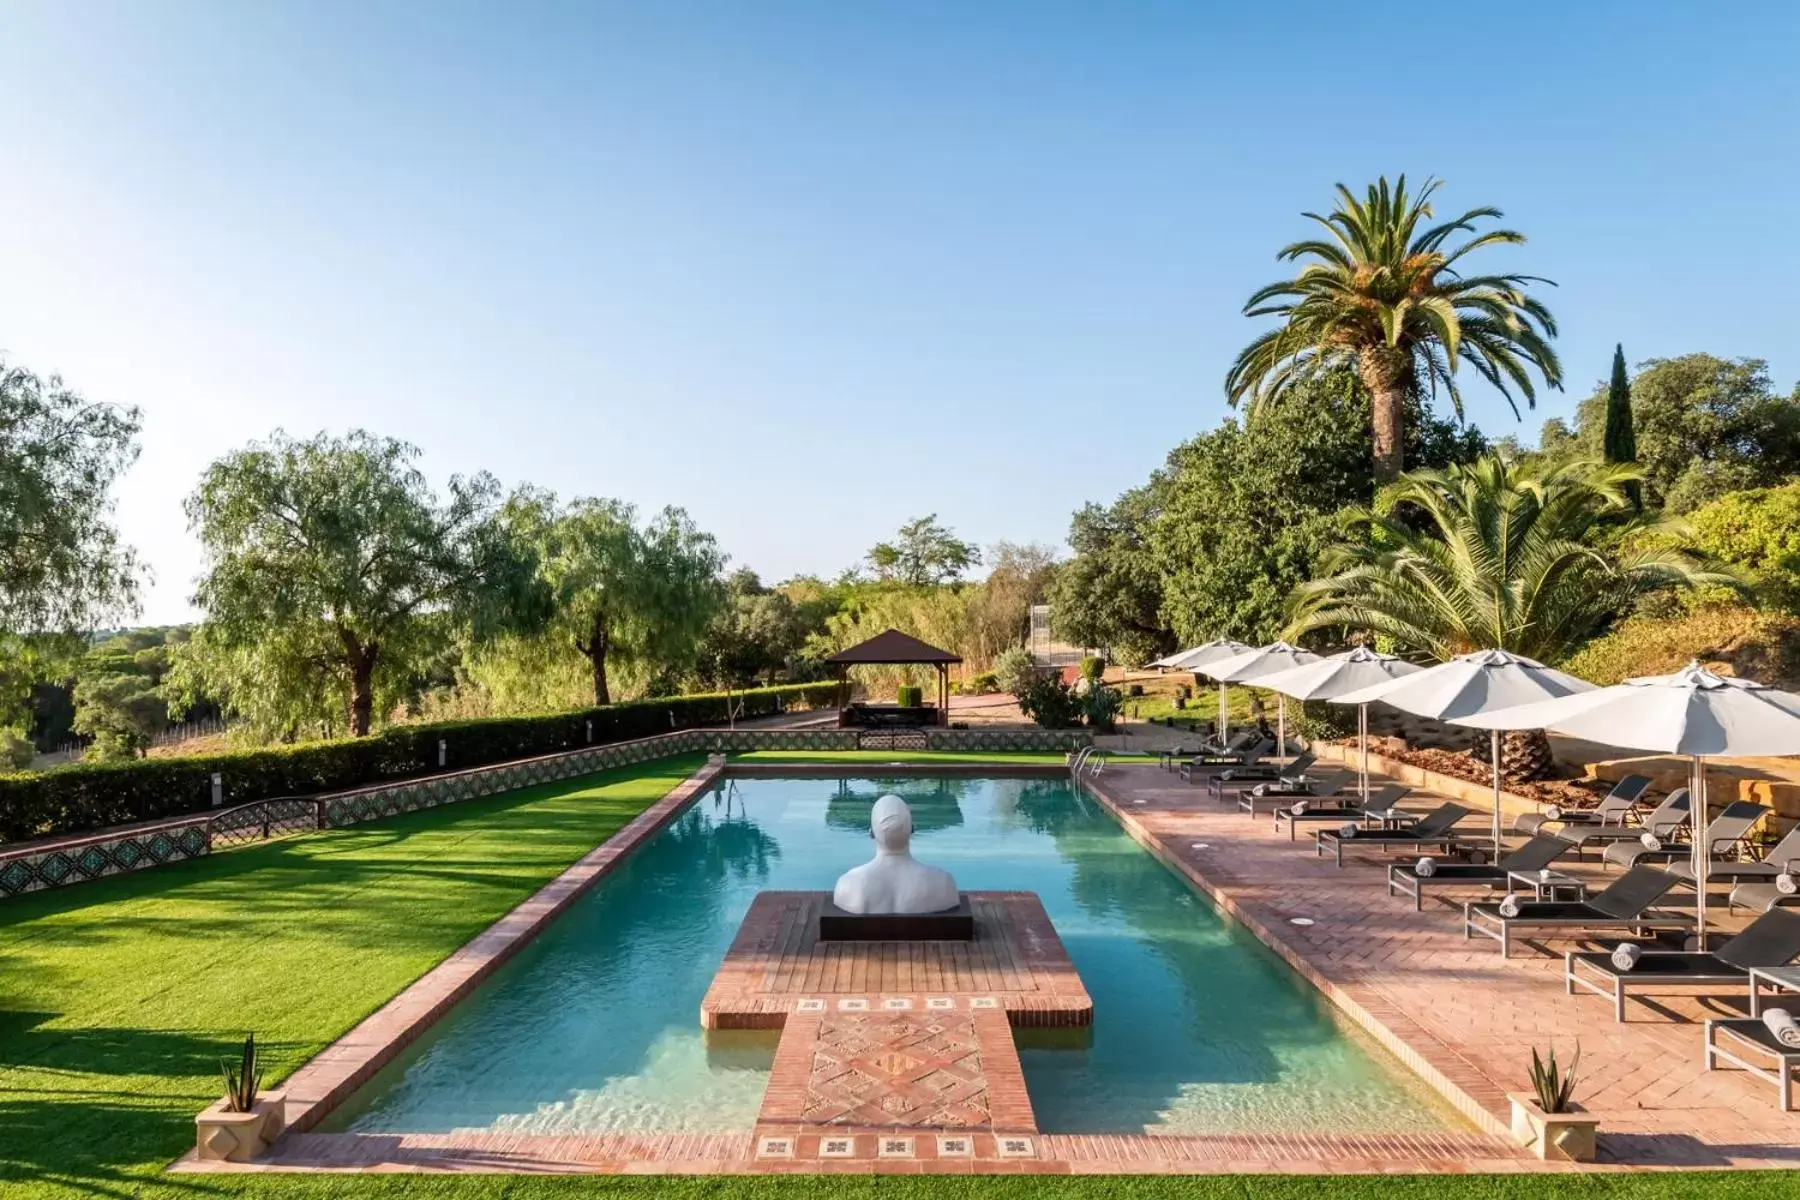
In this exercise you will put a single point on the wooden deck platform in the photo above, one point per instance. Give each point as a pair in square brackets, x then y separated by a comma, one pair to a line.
[776, 966]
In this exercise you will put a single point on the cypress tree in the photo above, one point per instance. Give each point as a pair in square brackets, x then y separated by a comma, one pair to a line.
[1621, 438]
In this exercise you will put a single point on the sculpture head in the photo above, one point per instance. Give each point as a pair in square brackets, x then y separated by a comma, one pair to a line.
[890, 822]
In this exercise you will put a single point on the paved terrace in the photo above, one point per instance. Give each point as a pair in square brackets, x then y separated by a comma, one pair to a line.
[1462, 1016]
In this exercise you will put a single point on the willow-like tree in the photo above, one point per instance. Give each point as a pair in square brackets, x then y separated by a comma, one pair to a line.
[332, 565]
[621, 592]
[1384, 292]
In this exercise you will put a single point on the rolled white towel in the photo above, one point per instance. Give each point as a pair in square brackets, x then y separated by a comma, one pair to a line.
[1425, 868]
[1553, 813]
[1509, 907]
[1651, 841]
[1227, 774]
[1781, 1023]
[1347, 829]
[1261, 789]
[1787, 883]
[1625, 956]
[1298, 808]
[1544, 874]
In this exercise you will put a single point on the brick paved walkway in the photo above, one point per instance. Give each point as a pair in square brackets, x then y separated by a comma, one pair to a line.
[1451, 1008]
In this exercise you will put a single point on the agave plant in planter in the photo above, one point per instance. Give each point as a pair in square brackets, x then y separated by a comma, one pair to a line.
[239, 1126]
[1547, 1121]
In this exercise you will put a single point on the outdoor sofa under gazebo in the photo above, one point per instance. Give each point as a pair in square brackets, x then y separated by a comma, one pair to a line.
[892, 649]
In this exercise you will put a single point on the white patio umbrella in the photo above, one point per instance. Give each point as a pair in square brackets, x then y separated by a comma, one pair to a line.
[1469, 685]
[1198, 656]
[1250, 666]
[1693, 713]
[1339, 675]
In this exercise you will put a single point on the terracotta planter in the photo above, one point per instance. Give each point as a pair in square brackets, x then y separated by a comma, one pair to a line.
[222, 1136]
[1556, 1137]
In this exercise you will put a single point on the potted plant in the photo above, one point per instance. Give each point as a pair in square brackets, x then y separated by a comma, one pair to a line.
[1547, 1122]
[242, 1123]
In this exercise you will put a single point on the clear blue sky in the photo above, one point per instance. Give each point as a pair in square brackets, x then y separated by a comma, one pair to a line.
[812, 269]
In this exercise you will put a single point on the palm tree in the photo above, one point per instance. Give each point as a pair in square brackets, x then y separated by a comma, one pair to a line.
[1384, 296]
[1507, 560]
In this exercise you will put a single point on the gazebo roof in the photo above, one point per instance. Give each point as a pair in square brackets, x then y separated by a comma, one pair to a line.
[891, 648]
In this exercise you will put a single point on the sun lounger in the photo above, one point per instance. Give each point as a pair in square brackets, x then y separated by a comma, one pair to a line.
[1279, 794]
[1614, 809]
[1434, 830]
[1204, 766]
[1737, 1037]
[1171, 759]
[1729, 828]
[1534, 855]
[1665, 821]
[1235, 779]
[1783, 857]
[1771, 940]
[1760, 897]
[1624, 905]
[1345, 806]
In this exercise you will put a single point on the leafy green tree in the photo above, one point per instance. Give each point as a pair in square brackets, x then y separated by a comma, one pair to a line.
[1384, 293]
[1757, 531]
[621, 592]
[121, 713]
[923, 554]
[757, 633]
[1620, 440]
[1703, 426]
[1111, 592]
[1248, 510]
[333, 573]
[1508, 558]
[62, 566]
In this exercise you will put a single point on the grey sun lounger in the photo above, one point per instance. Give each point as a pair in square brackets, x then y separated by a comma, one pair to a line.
[1234, 779]
[1205, 766]
[1171, 759]
[1434, 829]
[1735, 1038]
[1729, 828]
[1534, 855]
[1614, 809]
[1772, 940]
[1783, 856]
[1624, 905]
[1665, 821]
[1280, 793]
[1345, 806]
[1759, 897]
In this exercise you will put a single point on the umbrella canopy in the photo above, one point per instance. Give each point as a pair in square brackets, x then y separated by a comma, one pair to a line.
[1187, 660]
[1692, 712]
[1340, 675]
[1469, 685]
[1252, 665]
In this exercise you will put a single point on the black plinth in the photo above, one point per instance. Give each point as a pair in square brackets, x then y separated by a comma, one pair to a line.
[951, 925]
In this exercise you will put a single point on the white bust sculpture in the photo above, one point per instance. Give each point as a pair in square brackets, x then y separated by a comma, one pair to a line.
[894, 881]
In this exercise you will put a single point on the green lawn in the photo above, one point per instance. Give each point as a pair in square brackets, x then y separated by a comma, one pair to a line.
[117, 999]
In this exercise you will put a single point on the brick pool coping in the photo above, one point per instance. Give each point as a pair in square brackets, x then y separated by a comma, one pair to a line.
[347, 1064]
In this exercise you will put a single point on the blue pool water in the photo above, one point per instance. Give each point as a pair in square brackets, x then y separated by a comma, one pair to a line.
[594, 1026]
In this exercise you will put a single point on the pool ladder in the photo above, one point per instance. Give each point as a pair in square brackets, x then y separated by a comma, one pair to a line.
[1093, 760]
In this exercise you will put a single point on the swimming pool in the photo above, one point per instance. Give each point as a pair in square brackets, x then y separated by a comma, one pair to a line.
[594, 1025]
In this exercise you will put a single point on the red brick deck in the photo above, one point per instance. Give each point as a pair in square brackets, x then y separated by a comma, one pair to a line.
[1016, 963]
[1453, 1009]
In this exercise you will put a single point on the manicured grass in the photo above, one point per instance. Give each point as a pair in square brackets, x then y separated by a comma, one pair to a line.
[117, 999]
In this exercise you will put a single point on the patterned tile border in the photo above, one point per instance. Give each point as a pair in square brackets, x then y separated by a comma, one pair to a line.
[59, 863]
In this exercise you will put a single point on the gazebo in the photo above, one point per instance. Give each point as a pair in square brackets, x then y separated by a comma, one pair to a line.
[892, 649]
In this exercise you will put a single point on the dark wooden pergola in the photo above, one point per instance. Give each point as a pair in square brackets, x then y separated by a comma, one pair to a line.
[893, 649]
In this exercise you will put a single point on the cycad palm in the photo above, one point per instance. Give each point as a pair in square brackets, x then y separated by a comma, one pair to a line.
[1508, 562]
[1383, 294]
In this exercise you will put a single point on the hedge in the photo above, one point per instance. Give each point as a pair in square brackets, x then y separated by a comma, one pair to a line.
[78, 799]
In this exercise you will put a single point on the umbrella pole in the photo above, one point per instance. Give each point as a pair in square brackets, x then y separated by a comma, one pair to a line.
[1362, 737]
[1702, 850]
[1224, 729]
[1281, 729]
[1494, 747]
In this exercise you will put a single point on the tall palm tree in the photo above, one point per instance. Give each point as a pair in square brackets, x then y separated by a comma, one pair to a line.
[1384, 295]
[1507, 560]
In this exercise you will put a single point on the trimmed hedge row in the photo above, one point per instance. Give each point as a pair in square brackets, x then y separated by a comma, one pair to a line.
[78, 799]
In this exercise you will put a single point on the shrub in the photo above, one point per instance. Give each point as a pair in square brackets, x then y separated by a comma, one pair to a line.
[85, 796]
[1051, 703]
[1102, 706]
[1015, 670]
[911, 696]
[16, 750]
[1092, 667]
[1757, 645]
[1759, 532]
[982, 684]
